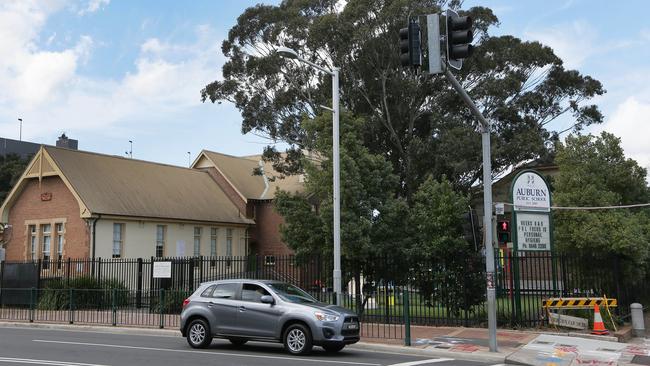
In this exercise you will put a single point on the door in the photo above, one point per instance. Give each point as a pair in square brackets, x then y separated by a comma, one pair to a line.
[254, 318]
[223, 304]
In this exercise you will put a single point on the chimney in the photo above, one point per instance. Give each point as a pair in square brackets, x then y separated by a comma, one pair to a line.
[64, 141]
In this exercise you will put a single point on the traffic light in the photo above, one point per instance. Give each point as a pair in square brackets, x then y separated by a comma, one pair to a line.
[410, 45]
[503, 231]
[459, 38]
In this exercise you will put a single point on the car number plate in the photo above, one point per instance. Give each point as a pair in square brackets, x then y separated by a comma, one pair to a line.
[353, 326]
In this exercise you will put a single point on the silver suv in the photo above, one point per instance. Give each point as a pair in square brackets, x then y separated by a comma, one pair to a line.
[270, 311]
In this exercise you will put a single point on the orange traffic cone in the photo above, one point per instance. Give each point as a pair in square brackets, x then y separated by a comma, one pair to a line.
[599, 326]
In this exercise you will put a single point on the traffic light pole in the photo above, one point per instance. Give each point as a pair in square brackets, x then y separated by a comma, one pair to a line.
[487, 208]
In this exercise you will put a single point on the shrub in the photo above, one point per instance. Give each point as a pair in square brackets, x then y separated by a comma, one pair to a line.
[87, 293]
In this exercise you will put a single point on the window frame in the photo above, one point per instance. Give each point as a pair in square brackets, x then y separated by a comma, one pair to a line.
[46, 244]
[122, 227]
[197, 241]
[33, 241]
[160, 241]
[229, 236]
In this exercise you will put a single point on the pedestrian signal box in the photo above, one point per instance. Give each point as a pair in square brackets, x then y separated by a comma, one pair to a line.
[503, 231]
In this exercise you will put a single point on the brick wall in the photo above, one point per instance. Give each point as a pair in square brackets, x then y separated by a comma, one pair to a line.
[266, 233]
[59, 206]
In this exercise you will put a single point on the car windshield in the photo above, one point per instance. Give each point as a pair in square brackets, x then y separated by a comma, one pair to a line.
[291, 293]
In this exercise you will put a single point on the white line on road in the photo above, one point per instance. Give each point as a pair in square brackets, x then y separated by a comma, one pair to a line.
[423, 362]
[302, 360]
[44, 362]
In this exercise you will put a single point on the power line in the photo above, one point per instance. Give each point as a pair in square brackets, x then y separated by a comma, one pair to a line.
[592, 208]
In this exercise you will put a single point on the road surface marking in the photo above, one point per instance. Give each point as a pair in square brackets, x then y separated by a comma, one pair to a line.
[296, 359]
[423, 362]
[44, 362]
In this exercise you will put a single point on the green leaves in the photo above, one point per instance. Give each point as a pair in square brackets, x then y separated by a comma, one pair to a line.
[595, 172]
[416, 122]
[11, 168]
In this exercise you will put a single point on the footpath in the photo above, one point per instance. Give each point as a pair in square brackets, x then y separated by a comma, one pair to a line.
[534, 348]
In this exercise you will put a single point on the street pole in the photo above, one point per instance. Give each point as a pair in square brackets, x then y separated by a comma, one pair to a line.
[336, 273]
[20, 135]
[337, 185]
[487, 209]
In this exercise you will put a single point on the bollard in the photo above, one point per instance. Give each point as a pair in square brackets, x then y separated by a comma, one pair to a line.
[638, 324]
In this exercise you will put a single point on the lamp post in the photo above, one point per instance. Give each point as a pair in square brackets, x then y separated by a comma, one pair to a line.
[131, 149]
[290, 53]
[20, 136]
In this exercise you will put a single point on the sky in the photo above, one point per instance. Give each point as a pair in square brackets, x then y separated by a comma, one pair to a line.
[109, 71]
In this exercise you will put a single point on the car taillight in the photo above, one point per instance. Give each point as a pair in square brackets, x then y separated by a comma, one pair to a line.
[185, 302]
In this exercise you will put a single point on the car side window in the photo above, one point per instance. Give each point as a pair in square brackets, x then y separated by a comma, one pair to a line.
[208, 292]
[252, 292]
[225, 291]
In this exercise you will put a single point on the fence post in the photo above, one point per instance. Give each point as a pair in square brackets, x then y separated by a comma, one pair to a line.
[71, 306]
[2, 271]
[162, 307]
[200, 270]
[114, 305]
[138, 294]
[38, 274]
[407, 318]
[99, 269]
[32, 296]
[68, 272]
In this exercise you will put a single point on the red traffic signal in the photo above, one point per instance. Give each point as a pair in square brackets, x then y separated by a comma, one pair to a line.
[503, 226]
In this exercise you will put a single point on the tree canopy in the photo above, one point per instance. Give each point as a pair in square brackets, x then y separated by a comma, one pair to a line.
[11, 168]
[594, 172]
[414, 120]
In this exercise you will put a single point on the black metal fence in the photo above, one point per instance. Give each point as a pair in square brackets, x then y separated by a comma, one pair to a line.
[388, 295]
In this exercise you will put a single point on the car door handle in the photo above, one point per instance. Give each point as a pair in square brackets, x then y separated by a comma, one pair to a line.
[211, 304]
[242, 308]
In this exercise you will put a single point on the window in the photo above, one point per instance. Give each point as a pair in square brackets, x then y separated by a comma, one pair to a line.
[118, 240]
[213, 241]
[229, 242]
[160, 240]
[208, 292]
[247, 237]
[47, 244]
[59, 244]
[254, 293]
[269, 260]
[225, 291]
[197, 241]
[33, 241]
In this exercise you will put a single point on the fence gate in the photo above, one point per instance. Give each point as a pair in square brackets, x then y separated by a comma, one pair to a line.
[20, 278]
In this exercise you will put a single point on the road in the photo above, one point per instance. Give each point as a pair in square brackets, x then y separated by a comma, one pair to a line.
[82, 348]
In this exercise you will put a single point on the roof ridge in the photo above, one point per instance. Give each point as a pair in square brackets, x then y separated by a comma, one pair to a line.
[228, 155]
[47, 147]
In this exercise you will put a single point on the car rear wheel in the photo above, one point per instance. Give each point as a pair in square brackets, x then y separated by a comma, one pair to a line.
[297, 339]
[333, 347]
[238, 341]
[198, 334]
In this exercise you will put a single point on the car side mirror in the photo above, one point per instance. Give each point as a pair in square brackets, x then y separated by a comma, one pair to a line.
[267, 299]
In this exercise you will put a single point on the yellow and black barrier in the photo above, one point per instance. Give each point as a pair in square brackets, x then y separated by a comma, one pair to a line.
[578, 302]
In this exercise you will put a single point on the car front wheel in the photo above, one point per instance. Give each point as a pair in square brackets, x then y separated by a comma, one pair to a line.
[297, 339]
[198, 334]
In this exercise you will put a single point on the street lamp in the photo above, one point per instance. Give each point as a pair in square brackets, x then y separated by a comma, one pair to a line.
[292, 54]
[20, 137]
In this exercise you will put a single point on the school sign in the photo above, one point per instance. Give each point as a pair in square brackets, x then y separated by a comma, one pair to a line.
[531, 199]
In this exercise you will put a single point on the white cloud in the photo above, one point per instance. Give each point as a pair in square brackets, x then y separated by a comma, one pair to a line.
[49, 89]
[631, 122]
[93, 6]
[573, 42]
